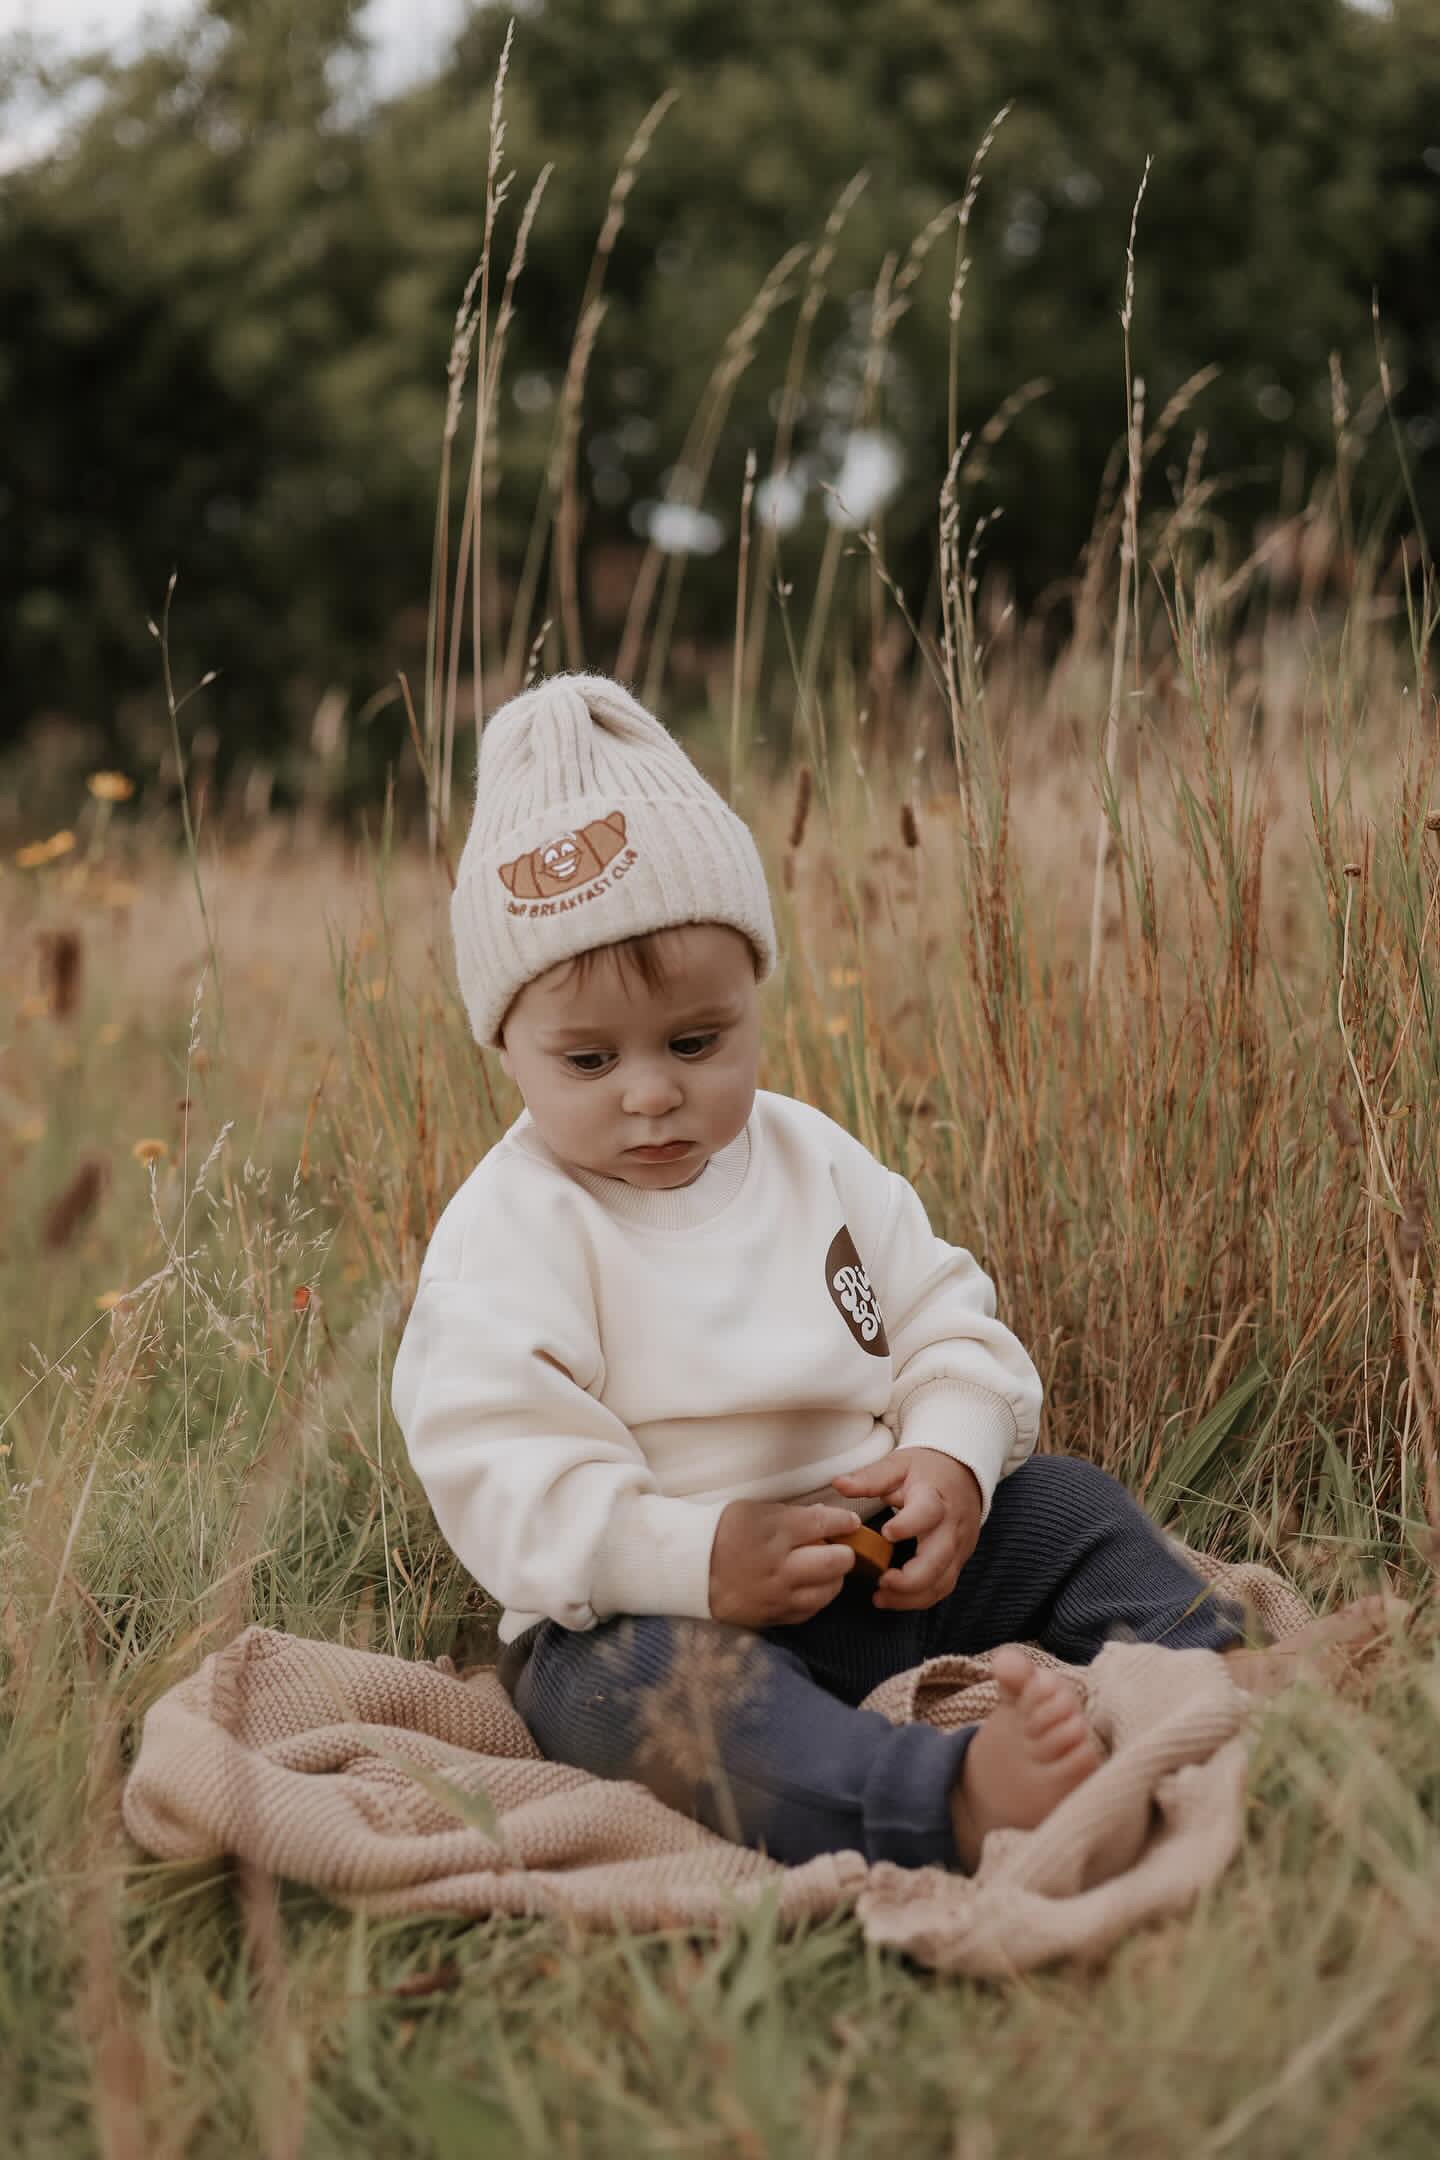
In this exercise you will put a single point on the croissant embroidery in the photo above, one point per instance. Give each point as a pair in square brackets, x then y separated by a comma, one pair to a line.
[568, 861]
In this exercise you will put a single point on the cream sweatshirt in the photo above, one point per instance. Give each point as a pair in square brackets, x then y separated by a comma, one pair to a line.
[591, 1371]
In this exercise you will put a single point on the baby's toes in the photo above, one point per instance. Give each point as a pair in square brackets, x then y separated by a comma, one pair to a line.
[1014, 1674]
[1056, 1728]
[1044, 1699]
[1067, 1736]
[1055, 1707]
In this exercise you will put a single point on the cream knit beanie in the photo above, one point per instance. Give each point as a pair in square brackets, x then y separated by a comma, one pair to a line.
[591, 825]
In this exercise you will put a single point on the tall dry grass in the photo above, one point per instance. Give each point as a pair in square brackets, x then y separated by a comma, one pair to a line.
[1192, 1133]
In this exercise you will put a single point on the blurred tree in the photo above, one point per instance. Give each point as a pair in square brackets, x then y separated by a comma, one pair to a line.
[1406, 272]
[184, 290]
[226, 301]
[1289, 178]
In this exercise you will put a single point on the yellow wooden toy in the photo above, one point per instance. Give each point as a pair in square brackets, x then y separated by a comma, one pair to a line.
[873, 1552]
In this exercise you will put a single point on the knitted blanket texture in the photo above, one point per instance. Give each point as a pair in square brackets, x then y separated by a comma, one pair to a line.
[410, 1788]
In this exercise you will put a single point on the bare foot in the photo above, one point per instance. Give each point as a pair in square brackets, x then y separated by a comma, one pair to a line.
[1025, 1757]
[1327, 1646]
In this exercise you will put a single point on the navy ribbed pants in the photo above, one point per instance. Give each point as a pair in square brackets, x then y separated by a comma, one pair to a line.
[757, 1734]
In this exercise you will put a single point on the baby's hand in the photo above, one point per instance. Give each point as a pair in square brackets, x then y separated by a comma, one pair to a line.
[770, 1564]
[938, 1502]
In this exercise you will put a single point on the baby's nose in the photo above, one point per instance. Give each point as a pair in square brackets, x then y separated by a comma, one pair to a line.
[651, 1091]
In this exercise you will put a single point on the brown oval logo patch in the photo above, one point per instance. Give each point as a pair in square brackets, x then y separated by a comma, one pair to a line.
[854, 1300]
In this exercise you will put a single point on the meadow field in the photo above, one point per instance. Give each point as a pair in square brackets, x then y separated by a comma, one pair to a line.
[1123, 948]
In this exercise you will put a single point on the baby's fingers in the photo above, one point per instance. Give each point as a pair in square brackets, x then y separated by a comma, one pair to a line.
[872, 1479]
[923, 1580]
[804, 1603]
[924, 1511]
[810, 1525]
[813, 1564]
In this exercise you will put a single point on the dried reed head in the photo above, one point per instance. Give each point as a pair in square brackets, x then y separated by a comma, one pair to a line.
[64, 956]
[1346, 1129]
[74, 1206]
[1410, 1237]
[801, 810]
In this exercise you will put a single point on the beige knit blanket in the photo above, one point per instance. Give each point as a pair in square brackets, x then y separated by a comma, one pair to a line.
[410, 1788]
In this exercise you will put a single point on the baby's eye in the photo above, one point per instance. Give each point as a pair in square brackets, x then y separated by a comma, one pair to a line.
[588, 1061]
[692, 1045]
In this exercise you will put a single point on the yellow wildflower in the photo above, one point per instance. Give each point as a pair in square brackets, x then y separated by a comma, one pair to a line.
[110, 786]
[148, 1151]
[40, 852]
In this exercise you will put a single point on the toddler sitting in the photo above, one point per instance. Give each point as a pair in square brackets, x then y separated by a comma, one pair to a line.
[677, 1336]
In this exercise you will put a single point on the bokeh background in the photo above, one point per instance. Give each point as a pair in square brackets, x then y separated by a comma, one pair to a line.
[1096, 773]
[234, 235]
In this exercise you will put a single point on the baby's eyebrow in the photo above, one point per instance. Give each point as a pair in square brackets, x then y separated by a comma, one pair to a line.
[701, 1016]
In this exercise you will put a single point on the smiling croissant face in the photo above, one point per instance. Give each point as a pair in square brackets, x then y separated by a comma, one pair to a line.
[562, 858]
[572, 858]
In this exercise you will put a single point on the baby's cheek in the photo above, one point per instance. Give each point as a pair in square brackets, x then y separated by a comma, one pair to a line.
[730, 1106]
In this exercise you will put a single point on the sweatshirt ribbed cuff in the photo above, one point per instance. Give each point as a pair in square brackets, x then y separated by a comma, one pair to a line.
[655, 1557]
[976, 1428]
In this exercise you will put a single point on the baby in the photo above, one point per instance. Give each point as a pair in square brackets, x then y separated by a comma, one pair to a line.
[676, 1336]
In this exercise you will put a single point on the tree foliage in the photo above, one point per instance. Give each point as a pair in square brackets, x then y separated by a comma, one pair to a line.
[226, 300]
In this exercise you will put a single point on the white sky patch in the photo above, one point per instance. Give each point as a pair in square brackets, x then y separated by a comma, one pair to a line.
[677, 529]
[869, 475]
[409, 39]
[780, 499]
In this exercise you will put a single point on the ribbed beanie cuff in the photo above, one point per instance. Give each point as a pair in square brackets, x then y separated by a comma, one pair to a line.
[591, 825]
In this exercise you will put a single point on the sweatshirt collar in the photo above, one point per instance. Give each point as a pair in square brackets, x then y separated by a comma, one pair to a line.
[680, 1209]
